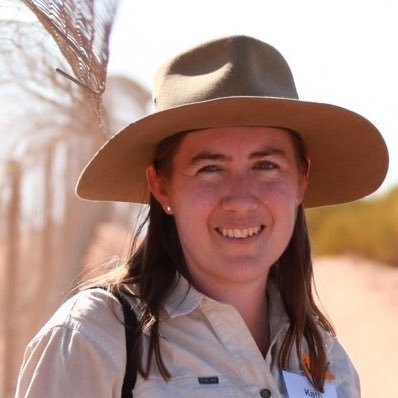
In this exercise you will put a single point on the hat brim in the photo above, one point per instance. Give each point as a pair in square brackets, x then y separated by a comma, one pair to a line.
[349, 158]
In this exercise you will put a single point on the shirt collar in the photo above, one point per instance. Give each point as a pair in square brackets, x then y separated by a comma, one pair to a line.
[183, 299]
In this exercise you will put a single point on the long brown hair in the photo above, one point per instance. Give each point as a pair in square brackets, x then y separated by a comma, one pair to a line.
[153, 265]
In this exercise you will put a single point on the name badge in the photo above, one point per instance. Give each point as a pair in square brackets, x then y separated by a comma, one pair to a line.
[298, 386]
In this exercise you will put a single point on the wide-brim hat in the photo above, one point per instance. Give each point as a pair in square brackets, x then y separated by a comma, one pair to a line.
[240, 81]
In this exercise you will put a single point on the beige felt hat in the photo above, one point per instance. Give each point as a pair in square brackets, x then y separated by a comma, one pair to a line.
[240, 81]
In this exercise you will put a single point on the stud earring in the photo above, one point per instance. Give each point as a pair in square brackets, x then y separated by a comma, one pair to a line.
[168, 209]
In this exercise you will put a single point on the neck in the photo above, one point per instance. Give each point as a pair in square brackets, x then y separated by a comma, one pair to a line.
[250, 300]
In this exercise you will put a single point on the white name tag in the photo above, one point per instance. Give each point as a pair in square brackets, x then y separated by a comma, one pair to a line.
[298, 386]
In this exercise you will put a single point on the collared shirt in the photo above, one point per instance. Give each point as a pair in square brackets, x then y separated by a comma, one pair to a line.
[206, 346]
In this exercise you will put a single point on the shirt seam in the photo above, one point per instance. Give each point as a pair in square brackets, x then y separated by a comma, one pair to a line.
[90, 339]
[71, 324]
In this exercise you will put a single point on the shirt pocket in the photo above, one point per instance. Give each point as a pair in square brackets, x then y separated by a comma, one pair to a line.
[182, 387]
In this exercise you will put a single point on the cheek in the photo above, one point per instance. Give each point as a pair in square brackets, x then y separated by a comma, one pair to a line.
[193, 211]
[194, 197]
[280, 200]
[279, 194]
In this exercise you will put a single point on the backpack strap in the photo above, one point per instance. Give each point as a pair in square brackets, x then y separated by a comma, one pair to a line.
[130, 325]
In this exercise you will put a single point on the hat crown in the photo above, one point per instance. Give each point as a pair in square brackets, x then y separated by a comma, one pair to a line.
[237, 66]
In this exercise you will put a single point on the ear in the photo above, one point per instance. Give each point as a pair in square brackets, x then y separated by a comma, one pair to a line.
[157, 187]
[303, 182]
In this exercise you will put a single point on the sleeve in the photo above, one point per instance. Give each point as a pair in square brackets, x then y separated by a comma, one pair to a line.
[64, 362]
[341, 368]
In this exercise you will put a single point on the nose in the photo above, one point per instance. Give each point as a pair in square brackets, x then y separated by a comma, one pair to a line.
[239, 195]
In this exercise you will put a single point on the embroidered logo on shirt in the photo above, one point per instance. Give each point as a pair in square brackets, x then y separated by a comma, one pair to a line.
[305, 363]
[208, 380]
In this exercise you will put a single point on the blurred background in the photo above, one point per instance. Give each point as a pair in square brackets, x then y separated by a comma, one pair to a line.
[72, 73]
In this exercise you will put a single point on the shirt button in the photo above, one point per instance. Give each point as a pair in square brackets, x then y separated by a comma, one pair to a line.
[265, 393]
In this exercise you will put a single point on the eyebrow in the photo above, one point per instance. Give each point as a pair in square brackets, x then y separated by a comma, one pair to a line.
[268, 151]
[208, 155]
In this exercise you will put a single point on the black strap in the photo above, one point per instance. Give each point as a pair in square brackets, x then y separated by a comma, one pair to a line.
[130, 326]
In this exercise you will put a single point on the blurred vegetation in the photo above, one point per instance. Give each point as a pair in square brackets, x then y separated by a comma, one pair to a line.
[368, 228]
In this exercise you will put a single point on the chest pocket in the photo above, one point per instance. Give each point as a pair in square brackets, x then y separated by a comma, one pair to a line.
[182, 387]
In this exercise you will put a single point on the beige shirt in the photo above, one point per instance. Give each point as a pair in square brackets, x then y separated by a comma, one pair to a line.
[205, 344]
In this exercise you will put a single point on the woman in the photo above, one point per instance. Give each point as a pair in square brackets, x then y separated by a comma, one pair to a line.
[222, 282]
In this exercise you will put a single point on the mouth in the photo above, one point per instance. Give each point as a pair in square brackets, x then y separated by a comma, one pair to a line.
[240, 233]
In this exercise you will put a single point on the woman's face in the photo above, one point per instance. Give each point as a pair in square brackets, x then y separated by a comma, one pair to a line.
[234, 193]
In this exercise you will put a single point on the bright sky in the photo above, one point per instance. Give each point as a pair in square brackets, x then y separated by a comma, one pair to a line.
[343, 52]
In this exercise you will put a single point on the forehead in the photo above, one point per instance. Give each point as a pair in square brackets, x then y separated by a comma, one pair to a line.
[236, 140]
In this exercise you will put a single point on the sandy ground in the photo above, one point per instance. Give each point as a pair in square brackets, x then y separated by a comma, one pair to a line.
[361, 299]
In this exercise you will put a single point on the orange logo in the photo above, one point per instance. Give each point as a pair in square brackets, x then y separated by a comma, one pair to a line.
[305, 363]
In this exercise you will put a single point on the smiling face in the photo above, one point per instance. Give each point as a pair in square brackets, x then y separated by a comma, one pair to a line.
[234, 193]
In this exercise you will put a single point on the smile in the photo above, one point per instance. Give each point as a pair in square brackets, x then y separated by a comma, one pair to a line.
[238, 233]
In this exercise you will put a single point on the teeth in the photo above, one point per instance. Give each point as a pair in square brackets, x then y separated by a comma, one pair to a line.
[240, 233]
